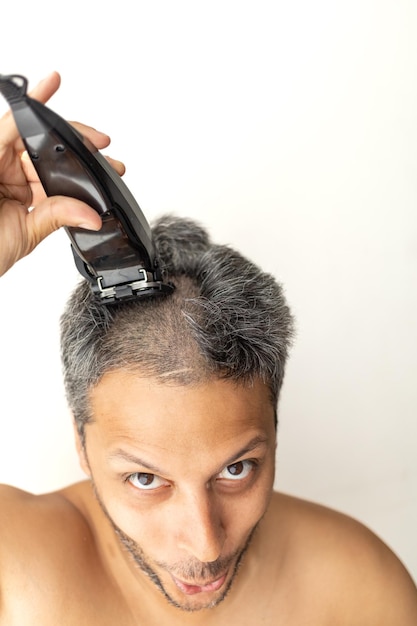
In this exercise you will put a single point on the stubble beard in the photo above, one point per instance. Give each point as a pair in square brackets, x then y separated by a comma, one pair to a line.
[189, 571]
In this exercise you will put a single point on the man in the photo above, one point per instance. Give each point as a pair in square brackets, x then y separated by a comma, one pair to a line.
[174, 404]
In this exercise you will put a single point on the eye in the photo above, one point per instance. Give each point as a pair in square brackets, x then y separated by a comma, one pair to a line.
[146, 482]
[237, 471]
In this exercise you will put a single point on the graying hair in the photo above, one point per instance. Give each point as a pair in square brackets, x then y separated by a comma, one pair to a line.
[226, 319]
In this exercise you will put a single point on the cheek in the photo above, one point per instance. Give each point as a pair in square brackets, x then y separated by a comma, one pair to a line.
[144, 525]
[244, 512]
[252, 506]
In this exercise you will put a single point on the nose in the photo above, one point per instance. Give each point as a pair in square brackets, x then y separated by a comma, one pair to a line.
[201, 533]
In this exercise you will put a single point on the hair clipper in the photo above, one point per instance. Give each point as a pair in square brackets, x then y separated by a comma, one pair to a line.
[119, 260]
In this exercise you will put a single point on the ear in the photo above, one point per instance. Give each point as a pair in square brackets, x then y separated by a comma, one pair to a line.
[82, 456]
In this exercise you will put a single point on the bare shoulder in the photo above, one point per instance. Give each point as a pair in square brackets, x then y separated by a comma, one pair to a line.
[344, 562]
[50, 563]
[35, 530]
[21, 511]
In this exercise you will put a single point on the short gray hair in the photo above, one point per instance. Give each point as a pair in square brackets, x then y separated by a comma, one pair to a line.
[226, 319]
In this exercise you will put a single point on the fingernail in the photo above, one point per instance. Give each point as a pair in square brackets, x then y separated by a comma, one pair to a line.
[89, 226]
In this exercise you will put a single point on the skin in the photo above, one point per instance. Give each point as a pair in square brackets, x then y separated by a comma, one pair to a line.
[170, 479]
[82, 555]
[206, 455]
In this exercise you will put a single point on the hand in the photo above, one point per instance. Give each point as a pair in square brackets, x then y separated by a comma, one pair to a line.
[21, 229]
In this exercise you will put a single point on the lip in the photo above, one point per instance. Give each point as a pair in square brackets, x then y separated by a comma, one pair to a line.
[190, 589]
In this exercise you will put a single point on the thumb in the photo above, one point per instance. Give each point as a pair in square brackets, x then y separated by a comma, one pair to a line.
[56, 211]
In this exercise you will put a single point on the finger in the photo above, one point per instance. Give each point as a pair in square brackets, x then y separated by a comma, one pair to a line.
[118, 166]
[46, 87]
[52, 213]
[99, 139]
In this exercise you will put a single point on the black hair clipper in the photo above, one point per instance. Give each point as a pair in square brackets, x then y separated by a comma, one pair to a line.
[119, 260]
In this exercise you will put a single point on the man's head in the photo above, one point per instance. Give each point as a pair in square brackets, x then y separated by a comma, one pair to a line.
[225, 319]
[175, 404]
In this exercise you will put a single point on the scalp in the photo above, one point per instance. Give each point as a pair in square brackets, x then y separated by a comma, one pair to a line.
[226, 318]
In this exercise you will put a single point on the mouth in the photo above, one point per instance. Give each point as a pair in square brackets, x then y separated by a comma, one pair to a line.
[191, 589]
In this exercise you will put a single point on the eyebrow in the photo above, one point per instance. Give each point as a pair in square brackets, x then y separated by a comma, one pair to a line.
[126, 456]
[251, 445]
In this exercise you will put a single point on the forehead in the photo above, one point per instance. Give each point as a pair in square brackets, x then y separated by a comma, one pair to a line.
[141, 412]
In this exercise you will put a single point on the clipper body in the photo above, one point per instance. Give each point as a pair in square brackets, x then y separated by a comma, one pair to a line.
[119, 260]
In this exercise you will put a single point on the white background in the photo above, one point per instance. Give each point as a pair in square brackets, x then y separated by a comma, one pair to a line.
[289, 129]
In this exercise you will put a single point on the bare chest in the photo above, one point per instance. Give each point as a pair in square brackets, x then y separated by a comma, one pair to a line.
[51, 600]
